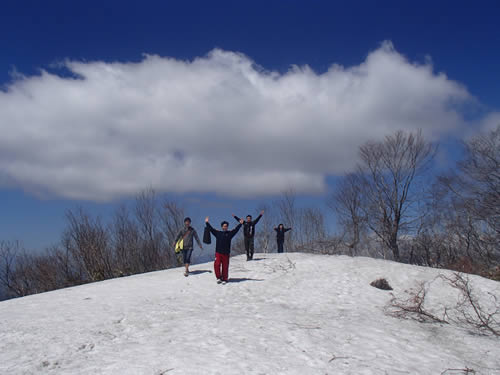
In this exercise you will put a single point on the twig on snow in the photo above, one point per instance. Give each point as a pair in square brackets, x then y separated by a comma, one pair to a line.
[464, 370]
[335, 357]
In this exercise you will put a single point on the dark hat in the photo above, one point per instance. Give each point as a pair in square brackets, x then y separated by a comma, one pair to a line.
[187, 219]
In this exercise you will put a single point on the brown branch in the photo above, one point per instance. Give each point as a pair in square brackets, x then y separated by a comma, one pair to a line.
[413, 307]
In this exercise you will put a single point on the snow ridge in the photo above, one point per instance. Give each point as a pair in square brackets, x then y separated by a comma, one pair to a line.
[286, 313]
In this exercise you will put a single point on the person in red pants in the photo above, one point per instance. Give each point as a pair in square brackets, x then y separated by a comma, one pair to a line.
[222, 249]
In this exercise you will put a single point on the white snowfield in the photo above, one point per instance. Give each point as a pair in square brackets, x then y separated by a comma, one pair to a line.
[285, 313]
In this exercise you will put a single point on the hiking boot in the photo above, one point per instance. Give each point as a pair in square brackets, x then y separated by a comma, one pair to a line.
[186, 273]
[224, 282]
[219, 281]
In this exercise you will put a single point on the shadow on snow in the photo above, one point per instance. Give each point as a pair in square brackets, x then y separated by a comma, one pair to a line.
[241, 279]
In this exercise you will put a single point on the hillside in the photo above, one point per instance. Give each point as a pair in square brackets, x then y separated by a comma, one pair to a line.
[279, 314]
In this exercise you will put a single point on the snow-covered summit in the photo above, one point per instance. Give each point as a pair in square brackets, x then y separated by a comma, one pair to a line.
[279, 314]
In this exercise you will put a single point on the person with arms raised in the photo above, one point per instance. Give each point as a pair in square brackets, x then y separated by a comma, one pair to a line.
[249, 233]
[280, 236]
[222, 249]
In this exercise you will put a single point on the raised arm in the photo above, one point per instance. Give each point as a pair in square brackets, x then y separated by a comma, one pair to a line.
[287, 229]
[212, 230]
[236, 229]
[236, 218]
[258, 217]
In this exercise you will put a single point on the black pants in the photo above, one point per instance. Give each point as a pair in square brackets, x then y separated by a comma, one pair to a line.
[280, 245]
[249, 247]
[186, 256]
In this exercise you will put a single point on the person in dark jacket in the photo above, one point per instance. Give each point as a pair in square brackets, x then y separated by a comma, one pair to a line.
[222, 249]
[280, 236]
[249, 233]
[187, 233]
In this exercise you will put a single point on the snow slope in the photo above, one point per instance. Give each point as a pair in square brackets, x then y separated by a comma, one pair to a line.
[279, 314]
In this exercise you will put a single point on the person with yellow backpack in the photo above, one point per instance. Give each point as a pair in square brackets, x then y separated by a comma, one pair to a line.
[184, 243]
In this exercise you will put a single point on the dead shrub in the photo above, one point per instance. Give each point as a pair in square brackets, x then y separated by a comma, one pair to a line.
[479, 312]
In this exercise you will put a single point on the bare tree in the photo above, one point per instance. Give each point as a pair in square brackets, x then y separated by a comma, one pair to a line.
[23, 282]
[88, 242]
[311, 226]
[23, 273]
[479, 178]
[8, 253]
[67, 269]
[153, 248]
[346, 203]
[288, 212]
[265, 236]
[91, 251]
[126, 243]
[389, 170]
[474, 193]
[43, 273]
[172, 221]
[308, 225]
[23, 278]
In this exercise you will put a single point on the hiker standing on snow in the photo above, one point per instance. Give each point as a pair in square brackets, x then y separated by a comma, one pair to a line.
[280, 236]
[222, 249]
[249, 233]
[187, 233]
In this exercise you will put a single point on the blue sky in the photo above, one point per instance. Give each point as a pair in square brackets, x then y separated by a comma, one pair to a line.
[225, 103]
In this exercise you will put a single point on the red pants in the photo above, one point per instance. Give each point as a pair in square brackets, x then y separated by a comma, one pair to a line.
[221, 260]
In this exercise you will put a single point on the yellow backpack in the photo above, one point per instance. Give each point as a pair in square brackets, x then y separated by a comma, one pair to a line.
[179, 245]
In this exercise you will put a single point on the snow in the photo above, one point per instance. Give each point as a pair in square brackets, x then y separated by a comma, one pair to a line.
[285, 313]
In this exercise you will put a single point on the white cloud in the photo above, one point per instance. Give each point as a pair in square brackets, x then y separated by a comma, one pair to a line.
[218, 123]
[490, 122]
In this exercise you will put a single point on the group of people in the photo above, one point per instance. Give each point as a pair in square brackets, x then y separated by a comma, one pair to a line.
[223, 242]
